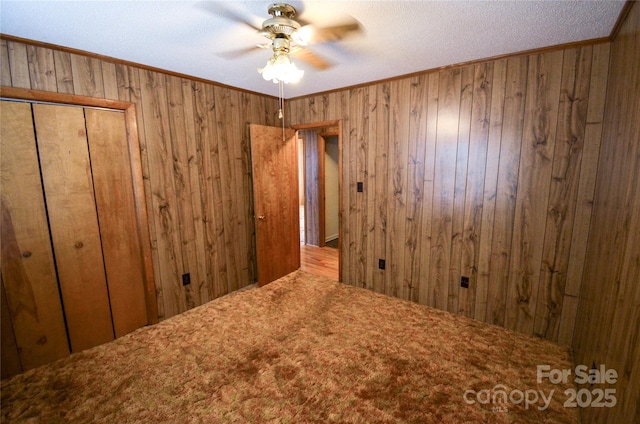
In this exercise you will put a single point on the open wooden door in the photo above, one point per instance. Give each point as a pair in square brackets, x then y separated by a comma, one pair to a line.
[275, 199]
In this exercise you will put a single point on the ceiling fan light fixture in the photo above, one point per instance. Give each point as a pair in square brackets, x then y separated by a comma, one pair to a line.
[281, 69]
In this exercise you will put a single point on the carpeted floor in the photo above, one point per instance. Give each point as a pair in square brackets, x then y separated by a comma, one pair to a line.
[300, 350]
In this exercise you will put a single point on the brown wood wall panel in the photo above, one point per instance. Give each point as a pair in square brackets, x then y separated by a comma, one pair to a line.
[415, 186]
[590, 154]
[18, 65]
[63, 72]
[5, 69]
[507, 191]
[192, 217]
[41, 68]
[178, 131]
[427, 210]
[608, 319]
[87, 76]
[311, 199]
[371, 223]
[565, 177]
[459, 189]
[448, 112]
[471, 171]
[213, 156]
[203, 199]
[473, 207]
[485, 241]
[195, 163]
[536, 159]
[226, 108]
[358, 112]
[376, 190]
[398, 152]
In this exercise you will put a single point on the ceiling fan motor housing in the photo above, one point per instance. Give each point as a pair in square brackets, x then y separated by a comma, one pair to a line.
[282, 22]
[282, 9]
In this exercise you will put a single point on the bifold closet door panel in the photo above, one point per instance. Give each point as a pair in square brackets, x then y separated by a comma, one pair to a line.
[68, 188]
[121, 247]
[10, 361]
[28, 270]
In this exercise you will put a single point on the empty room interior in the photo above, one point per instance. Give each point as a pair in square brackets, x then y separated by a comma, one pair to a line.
[320, 211]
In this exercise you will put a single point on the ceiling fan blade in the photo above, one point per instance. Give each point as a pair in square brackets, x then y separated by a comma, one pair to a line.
[232, 54]
[220, 9]
[335, 33]
[311, 58]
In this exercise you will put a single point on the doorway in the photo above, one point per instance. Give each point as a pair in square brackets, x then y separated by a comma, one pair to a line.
[274, 158]
[319, 162]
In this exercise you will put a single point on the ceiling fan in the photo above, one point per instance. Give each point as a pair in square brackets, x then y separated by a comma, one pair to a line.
[289, 35]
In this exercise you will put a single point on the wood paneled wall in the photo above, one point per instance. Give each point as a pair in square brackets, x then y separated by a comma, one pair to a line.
[485, 171]
[608, 324]
[312, 220]
[195, 160]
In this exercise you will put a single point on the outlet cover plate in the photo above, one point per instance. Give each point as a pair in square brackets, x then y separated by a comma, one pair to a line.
[464, 282]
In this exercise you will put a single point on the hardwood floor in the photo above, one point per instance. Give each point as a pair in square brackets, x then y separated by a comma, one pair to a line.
[319, 260]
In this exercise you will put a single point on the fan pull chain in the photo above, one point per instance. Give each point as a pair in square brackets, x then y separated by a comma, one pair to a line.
[281, 111]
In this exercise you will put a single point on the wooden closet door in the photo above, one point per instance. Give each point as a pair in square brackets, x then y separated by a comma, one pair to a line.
[27, 263]
[10, 355]
[121, 246]
[68, 187]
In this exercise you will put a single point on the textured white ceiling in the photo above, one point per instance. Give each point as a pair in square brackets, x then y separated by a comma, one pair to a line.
[400, 37]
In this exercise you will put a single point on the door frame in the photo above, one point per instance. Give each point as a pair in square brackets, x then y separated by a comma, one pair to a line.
[135, 162]
[318, 126]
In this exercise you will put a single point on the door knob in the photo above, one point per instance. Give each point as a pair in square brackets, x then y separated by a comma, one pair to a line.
[261, 217]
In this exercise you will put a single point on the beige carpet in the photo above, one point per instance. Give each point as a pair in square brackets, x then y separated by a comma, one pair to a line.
[300, 350]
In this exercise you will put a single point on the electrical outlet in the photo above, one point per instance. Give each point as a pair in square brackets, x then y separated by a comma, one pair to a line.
[464, 282]
[381, 264]
[186, 279]
[360, 185]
